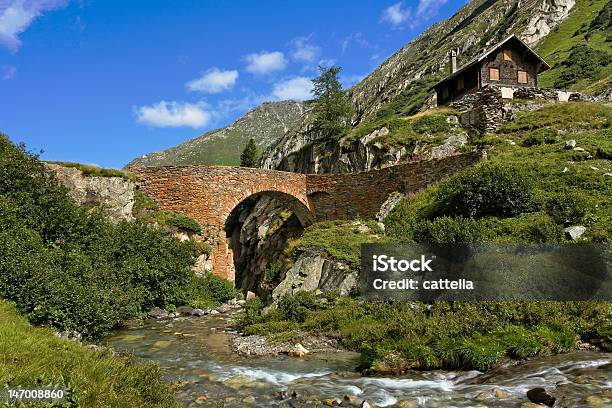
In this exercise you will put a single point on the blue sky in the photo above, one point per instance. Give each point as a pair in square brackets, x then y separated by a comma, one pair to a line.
[105, 81]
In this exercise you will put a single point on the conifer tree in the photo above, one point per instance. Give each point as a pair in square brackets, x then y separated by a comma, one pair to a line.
[332, 110]
[248, 158]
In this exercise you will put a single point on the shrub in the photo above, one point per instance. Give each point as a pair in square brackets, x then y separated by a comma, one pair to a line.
[566, 208]
[430, 124]
[540, 136]
[208, 291]
[296, 307]
[450, 230]
[183, 222]
[488, 189]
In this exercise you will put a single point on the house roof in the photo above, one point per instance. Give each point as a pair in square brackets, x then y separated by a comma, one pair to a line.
[544, 66]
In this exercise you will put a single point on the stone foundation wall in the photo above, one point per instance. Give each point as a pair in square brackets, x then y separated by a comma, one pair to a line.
[484, 110]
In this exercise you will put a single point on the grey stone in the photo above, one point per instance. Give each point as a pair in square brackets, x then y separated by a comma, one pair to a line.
[388, 206]
[570, 144]
[114, 195]
[575, 231]
[185, 310]
[607, 174]
[199, 312]
[453, 120]
[578, 149]
[157, 313]
[565, 170]
[214, 312]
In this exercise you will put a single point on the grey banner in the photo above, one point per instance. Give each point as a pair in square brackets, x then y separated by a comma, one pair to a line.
[428, 272]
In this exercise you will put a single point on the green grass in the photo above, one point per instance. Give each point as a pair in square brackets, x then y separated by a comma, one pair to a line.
[34, 357]
[95, 171]
[428, 128]
[339, 239]
[556, 46]
[394, 337]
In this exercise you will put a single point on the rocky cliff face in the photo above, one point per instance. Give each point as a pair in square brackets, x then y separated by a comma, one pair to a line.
[266, 123]
[114, 195]
[409, 75]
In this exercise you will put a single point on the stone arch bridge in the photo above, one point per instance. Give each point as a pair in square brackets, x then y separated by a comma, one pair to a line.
[208, 194]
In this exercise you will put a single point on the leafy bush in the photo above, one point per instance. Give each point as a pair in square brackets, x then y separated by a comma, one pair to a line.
[487, 189]
[297, 307]
[209, 290]
[65, 266]
[566, 208]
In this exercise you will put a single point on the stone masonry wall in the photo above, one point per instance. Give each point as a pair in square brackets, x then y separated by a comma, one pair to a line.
[210, 193]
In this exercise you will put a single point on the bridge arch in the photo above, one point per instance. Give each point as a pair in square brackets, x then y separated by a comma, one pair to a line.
[209, 194]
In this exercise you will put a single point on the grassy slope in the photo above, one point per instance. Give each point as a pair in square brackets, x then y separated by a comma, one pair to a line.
[34, 356]
[393, 337]
[555, 48]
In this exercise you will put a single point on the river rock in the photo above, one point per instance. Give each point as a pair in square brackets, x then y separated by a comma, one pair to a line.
[540, 396]
[199, 312]
[157, 313]
[350, 400]
[298, 351]
[366, 404]
[499, 393]
[214, 312]
[69, 335]
[223, 308]
[249, 400]
[570, 144]
[281, 395]
[184, 310]
[575, 231]
[250, 295]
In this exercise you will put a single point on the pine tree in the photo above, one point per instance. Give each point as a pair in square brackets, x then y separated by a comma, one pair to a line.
[332, 110]
[248, 158]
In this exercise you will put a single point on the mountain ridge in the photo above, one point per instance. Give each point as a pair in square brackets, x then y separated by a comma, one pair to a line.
[264, 123]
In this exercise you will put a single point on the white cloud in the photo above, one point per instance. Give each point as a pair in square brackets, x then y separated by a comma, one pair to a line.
[7, 72]
[303, 51]
[173, 114]
[429, 8]
[266, 62]
[213, 81]
[17, 15]
[298, 89]
[396, 15]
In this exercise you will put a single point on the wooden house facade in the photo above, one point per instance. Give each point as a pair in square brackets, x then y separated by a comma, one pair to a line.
[510, 63]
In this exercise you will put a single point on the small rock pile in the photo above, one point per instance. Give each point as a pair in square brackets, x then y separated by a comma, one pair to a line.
[158, 313]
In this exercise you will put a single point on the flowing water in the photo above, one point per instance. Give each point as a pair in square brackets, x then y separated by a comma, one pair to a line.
[196, 352]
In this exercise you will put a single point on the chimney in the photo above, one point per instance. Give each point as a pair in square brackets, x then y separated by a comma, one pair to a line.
[453, 61]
